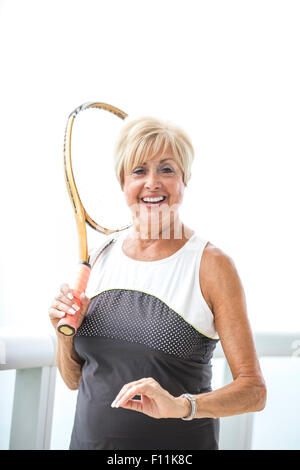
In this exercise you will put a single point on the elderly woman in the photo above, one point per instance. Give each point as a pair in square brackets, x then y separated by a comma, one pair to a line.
[159, 299]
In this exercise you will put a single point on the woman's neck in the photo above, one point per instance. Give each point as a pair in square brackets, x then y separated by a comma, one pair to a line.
[168, 237]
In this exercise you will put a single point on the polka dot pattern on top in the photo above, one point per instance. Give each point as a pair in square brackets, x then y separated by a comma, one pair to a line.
[138, 317]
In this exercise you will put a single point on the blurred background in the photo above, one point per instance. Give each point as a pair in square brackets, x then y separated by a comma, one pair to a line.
[227, 72]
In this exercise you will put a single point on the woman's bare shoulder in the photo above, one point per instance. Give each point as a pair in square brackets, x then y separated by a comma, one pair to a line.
[214, 258]
[215, 265]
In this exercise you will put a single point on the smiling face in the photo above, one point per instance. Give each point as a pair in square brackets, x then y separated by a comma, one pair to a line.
[159, 178]
[152, 160]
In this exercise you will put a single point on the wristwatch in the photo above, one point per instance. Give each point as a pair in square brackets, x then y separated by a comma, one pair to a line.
[192, 401]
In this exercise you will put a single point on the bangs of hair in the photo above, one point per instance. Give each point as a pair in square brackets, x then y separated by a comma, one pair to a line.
[144, 138]
[149, 147]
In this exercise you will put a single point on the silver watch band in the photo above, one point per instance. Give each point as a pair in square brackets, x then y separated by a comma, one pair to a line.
[192, 400]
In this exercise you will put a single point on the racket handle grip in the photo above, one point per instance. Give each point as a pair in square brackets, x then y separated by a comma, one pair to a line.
[68, 324]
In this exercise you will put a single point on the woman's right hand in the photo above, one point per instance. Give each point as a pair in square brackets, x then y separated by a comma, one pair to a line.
[64, 303]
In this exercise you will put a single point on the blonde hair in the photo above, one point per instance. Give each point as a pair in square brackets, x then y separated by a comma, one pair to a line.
[142, 138]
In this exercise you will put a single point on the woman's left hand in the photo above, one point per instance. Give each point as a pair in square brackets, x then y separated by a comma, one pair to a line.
[155, 400]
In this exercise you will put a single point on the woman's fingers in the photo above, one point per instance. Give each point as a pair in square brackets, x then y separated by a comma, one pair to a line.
[128, 389]
[66, 291]
[65, 300]
[54, 313]
[70, 308]
[65, 303]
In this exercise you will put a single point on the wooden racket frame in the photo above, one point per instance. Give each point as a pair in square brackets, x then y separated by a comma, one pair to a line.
[81, 215]
[68, 324]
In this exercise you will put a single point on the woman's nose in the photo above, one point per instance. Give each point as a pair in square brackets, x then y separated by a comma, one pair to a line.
[152, 180]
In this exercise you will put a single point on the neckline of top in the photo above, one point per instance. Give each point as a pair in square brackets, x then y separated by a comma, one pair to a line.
[157, 261]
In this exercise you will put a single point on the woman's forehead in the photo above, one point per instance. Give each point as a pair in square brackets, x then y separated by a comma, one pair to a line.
[164, 153]
[160, 159]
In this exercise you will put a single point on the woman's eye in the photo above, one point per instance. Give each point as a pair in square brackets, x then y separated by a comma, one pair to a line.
[140, 171]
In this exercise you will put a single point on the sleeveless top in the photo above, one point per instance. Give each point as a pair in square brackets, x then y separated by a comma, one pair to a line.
[145, 319]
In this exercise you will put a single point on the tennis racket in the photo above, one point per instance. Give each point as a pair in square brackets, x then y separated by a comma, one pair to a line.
[68, 324]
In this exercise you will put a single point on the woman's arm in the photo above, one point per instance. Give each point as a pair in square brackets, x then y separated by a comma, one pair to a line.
[68, 362]
[222, 288]
[223, 291]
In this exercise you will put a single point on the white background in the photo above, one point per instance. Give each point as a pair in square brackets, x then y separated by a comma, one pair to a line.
[228, 72]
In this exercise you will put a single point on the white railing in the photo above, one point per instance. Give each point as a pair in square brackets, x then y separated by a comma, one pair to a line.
[33, 357]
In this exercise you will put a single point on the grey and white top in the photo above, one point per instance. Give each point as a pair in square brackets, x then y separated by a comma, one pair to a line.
[145, 319]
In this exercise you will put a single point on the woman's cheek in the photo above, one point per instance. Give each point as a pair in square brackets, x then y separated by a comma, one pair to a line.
[131, 195]
[178, 191]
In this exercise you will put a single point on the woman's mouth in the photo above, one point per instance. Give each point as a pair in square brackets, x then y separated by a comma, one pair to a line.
[153, 201]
